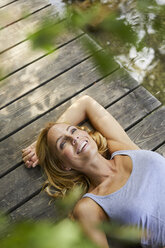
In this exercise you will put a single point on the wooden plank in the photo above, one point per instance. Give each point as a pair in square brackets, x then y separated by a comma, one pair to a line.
[126, 119]
[49, 95]
[161, 150]
[43, 209]
[42, 70]
[18, 32]
[19, 9]
[22, 55]
[20, 186]
[110, 89]
[5, 2]
[139, 104]
[150, 132]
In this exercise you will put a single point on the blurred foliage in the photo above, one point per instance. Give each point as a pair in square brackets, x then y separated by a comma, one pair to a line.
[64, 233]
[45, 36]
[103, 59]
[44, 234]
[66, 204]
[123, 234]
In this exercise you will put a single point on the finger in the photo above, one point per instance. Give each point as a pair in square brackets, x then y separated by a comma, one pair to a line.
[28, 157]
[26, 148]
[34, 158]
[26, 152]
[35, 163]
[28, 164]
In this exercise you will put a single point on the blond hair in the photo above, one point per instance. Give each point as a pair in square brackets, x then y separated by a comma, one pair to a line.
[59, 181]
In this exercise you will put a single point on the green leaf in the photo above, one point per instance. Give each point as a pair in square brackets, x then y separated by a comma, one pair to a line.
[129, 234]
[44, 234]
[65, 205]
[119, 28]
[45, 37]
[103, 59]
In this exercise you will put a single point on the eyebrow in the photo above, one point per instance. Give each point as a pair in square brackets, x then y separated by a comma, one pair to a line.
[61, 135]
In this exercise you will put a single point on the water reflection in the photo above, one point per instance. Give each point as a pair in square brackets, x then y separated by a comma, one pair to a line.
[160, 2]
[59, 8]
[146, 66]
[138, 63]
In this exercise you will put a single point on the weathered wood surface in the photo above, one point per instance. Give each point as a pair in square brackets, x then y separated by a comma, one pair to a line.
[39, 87]
[20, 30]
[20, 9]
[161, 150]
[39, 207]
[25, 55]
[6, 2]
[42, 71]
[150, 131]
[144, 103]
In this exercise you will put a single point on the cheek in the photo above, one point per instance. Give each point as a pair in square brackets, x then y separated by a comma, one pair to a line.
[67, 154]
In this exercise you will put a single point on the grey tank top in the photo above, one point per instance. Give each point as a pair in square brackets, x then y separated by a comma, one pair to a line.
[141, 201]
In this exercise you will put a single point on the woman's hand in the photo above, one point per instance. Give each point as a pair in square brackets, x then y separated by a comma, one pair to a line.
[29, 156]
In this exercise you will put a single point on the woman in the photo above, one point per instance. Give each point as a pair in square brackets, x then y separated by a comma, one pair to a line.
[129, 187]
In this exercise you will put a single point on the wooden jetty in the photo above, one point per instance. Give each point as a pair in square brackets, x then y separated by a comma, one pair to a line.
[36, 87]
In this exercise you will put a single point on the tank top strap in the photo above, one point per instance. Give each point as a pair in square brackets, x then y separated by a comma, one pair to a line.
[122, 152]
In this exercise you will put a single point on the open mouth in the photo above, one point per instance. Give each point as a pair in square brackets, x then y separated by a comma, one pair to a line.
[82, 146]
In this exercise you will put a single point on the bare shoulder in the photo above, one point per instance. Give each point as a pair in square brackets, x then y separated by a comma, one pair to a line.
[86, 208]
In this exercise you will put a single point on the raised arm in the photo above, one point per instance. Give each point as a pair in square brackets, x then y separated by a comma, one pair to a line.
[102, 121]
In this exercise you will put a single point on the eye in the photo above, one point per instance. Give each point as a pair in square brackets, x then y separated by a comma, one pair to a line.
[62, 144]
[73, 130]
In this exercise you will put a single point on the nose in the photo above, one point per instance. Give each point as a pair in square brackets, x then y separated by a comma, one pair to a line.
[74, 140]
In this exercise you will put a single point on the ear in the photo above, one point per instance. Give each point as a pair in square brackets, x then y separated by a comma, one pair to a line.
[67, 169]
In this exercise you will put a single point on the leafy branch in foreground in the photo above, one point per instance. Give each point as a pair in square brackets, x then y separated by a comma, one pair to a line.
[64, 233]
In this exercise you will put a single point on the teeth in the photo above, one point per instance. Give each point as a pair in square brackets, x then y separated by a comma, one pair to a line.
[81, 147]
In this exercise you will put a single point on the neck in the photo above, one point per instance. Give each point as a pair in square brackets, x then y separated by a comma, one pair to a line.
[99, 170]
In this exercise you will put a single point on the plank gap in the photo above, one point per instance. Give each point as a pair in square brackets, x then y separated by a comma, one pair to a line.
[45, 82]
[11, 73]
[24, 201]
[8, 4]
[32, 13]
[127, 93]
[11, 169]
[136, 122]
[18, 43]
[158, 146]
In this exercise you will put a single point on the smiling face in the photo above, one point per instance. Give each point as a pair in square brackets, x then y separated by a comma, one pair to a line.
[73, 146]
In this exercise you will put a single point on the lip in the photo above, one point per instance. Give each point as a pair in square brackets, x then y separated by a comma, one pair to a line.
[82, 146]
